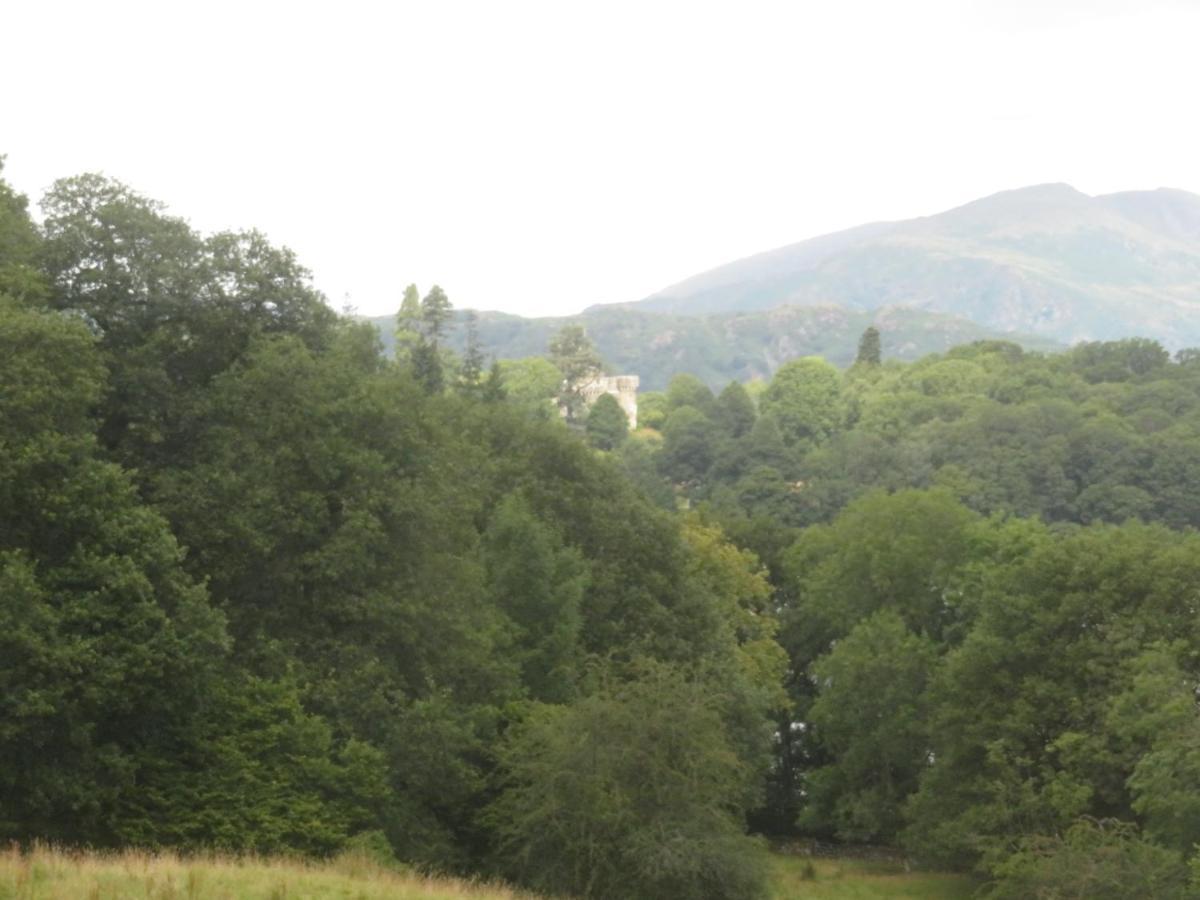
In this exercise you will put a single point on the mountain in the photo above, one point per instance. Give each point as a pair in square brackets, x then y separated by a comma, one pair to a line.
[1046, 260]
[724, 347]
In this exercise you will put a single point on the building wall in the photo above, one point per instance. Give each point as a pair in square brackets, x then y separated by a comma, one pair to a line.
[623, 387]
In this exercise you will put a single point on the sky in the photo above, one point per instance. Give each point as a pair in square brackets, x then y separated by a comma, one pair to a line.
[541, 157]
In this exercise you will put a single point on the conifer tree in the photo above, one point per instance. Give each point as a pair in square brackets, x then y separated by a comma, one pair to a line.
[869, 353]
[471, 373]
[436, 312]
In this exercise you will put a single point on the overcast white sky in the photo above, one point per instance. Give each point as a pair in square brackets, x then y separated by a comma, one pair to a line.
[538, 157]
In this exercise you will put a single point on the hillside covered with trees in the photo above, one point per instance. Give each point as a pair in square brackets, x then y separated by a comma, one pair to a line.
[728, 346]
[264, 587]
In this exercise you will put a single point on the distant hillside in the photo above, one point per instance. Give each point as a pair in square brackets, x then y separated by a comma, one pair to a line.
[730, 346]
[1045, 260]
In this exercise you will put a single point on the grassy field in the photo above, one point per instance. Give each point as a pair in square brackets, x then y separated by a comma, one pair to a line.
[805, 878]
[57, 875]
[54, 875]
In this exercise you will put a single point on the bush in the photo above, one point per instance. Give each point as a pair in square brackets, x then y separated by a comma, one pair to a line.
[633, 792]
[1094, 860]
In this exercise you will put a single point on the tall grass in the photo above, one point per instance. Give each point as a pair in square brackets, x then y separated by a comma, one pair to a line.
[45, 873]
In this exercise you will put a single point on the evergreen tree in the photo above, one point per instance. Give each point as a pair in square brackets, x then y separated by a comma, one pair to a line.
[606, 425]
[576, 358]
[869, 353]
[471, 371]
[427, 366]
[408, 324]
[494, 390]
[436, 313]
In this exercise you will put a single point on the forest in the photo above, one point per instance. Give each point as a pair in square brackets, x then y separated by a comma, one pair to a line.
[265, 588]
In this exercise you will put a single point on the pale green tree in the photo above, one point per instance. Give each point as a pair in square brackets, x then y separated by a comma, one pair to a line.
[805, 398]
[575, 356]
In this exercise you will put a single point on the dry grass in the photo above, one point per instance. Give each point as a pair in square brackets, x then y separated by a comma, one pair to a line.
[51, 874]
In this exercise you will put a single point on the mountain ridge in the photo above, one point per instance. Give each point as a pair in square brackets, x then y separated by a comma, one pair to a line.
[1046, 259]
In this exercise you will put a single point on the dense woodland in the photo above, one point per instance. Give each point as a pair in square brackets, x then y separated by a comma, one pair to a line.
[264, 587]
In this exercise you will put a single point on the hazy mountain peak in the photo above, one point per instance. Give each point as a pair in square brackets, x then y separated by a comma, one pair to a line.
[1169, 211]
[1045, 259]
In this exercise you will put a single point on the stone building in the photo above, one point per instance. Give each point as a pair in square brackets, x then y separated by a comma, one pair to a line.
[623, 387]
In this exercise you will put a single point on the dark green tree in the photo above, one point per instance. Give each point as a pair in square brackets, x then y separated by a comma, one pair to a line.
[1023, 710]
[687, 445]
[494, 389]
[606, 425]
[735, 413]
[470, 373]
[108, 650]
[868, 716]
[427, 366]
[869, 353]
[172, 309]
[538, 583]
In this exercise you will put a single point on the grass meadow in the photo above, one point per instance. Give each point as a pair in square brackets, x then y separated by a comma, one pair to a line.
[49, 874]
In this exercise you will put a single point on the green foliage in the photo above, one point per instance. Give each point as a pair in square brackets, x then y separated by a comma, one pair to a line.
[687, 449]
[734, 412]
[688, 390]
[539, 584]
[1021, 708]
[20, 246]
[533, 382]
[869, 353]
[172, 310]
[436, 313]
[805, 399]
[427, 366]
[741, 346]
[652, 409]
[868, 716]
[1118, 360]
[574, 355]
[471, 371]
[381, 577]
[107, 645]
[1157, 713]
[902, 552]
[631, 792]
[262, 589]
[850, 878]
[1093, 860]
[258, 773]
[408, 324]
[606, 425]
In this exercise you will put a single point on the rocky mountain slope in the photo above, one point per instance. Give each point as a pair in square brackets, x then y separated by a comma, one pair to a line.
[1044, 260]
